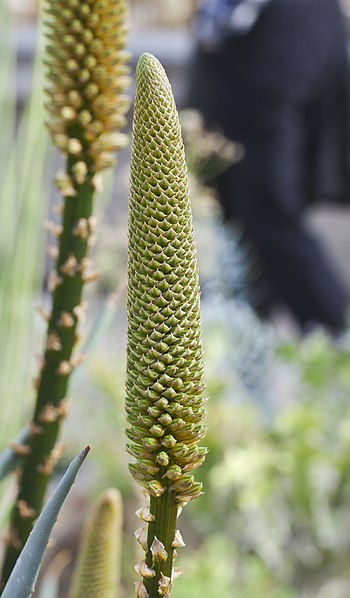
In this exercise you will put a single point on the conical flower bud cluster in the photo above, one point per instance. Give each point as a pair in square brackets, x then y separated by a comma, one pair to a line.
[165, 403]
[98, 568]
[87, 73]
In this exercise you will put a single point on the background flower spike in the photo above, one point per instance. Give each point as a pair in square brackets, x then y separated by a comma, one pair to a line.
[86, 76]
[98, 568]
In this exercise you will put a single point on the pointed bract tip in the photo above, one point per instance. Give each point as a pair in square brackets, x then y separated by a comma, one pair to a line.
[148, 65]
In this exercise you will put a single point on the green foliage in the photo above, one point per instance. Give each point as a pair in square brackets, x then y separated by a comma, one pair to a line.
[216, 569]
[322, 363]
[282, 491]
[23, 150]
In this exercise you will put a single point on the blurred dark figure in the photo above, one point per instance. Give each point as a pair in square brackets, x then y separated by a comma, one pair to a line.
[274, 75]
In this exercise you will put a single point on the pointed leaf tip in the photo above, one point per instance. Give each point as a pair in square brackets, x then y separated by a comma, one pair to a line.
[22, 580]
[84, 452]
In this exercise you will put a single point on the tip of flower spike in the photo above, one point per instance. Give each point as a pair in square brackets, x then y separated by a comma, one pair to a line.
[147, 60]
[149, 67]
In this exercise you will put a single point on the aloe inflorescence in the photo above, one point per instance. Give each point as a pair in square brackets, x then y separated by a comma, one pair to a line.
[86, 71]
[165, 402]
[87, 75]
[98, 567]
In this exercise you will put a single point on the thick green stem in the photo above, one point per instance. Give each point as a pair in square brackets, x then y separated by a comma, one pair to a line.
[164, 509]
[54, 377]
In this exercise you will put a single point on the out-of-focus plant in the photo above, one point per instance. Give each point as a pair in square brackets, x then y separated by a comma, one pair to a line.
[164, 356]
[281, 491]
[216, 568]
[208, 152]
[98, 568]
[239, 347]
[23, 148]
[167, 13]
[86, 78]
[322, 365]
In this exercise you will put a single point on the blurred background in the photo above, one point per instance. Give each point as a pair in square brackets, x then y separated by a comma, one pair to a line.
[275, 517]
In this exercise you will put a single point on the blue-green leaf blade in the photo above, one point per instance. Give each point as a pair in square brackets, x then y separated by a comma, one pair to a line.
[23, 577]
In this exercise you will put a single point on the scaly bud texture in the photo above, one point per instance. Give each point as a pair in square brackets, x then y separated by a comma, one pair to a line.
[86, 74]
[98, 567]
[165, 403]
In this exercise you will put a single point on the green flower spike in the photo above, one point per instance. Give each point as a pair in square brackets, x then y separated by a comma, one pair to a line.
[86, 77]
[165, 403]
[98, 568]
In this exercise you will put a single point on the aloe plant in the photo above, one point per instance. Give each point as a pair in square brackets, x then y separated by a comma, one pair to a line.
[165, 402]
[86, 77]
[21, 583]
[98, 568]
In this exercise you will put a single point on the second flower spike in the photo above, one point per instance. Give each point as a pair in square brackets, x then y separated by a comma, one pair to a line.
[87, 72]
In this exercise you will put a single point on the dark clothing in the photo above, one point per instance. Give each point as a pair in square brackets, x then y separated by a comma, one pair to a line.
[219, 19]
[280, 91]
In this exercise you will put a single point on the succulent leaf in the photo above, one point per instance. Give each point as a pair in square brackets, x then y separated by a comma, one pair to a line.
[22, 579]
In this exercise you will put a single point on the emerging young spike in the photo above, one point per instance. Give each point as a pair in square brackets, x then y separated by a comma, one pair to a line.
[98, 568]
[165, 403]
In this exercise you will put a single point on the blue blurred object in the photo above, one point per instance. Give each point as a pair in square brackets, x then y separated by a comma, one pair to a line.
[220, 19]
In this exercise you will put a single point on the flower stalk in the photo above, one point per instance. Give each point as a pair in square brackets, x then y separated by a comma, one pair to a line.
[86, 75]
[165, 402]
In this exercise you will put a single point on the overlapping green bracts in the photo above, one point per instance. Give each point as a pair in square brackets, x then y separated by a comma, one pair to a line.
[165, 365]
[165, 403]
[87, 74]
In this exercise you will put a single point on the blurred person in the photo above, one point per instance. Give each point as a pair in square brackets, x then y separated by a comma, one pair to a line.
[274, 75]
